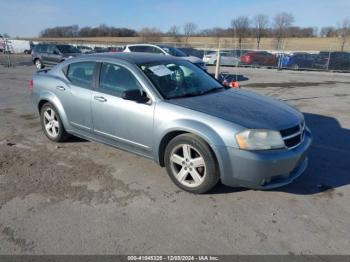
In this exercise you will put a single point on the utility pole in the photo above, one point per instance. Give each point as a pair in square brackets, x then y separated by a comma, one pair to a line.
[218, 58]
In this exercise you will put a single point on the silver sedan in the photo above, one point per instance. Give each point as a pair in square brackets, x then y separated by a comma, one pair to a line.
[171, 111]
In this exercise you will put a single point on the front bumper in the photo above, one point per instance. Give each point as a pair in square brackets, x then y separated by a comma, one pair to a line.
[266, 169]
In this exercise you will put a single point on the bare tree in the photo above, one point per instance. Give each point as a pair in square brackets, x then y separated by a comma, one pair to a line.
[189, 30]
[344, 32]
[281, 23]
[150, 34]
[261, 23]
[174, 31]
[328, 31]
[241, 28]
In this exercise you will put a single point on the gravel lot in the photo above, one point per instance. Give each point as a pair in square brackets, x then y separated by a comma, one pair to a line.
[85, 198]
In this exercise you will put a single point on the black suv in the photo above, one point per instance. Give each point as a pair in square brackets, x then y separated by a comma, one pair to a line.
[51, 54]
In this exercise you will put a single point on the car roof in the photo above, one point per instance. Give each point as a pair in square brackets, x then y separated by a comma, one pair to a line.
[157, 45]
[141, 45]
[134, 58]
[163, 45]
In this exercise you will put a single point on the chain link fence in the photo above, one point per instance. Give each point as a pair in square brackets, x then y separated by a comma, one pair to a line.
[247, 55]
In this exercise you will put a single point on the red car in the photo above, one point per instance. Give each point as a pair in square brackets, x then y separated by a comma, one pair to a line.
[259, 58]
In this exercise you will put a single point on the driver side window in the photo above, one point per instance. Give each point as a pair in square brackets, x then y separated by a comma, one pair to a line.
[115, 79]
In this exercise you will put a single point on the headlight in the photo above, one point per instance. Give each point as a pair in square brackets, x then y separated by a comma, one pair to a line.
[259, 139]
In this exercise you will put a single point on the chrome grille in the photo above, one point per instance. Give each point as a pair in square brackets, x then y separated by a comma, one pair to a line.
[293, 136]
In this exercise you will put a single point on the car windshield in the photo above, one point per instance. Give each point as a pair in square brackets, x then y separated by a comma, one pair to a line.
[173, 51]
[175, 79]
[68, 49]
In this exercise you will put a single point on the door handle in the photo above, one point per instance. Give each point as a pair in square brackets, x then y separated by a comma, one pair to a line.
[100, 98]
[61, 88]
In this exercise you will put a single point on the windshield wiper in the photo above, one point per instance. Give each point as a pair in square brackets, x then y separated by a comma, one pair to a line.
[211, 90]
[185, 95]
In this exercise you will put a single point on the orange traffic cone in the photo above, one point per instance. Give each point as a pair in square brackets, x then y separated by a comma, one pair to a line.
[235, 84]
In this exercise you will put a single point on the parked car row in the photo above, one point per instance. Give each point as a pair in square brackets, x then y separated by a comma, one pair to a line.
[299, 60]
[49, 54]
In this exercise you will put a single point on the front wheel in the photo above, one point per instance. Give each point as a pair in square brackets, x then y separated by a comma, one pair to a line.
[191, 164]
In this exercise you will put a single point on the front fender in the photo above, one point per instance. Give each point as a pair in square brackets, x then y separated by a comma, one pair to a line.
[206, 132]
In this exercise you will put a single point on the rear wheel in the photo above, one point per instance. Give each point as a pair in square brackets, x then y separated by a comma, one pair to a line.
[38, 64]
[295, 67]
[52, 124]
[191, 164]
[255, 64]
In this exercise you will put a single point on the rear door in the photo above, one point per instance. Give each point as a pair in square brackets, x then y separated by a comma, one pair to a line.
[54, 56]
[121, 122]
[44, 54]
[76, 94]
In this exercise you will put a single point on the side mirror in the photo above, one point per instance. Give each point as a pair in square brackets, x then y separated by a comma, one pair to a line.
[55, 52]
[135, 95]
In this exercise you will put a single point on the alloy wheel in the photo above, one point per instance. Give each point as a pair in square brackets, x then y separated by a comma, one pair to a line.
[51, 123]
[188, 165]
[38, 64]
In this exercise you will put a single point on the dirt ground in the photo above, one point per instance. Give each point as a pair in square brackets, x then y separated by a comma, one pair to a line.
[81, 197]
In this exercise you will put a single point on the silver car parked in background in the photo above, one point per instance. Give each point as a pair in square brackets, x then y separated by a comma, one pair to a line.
[165, 50]
[171, 111]
[227, 58]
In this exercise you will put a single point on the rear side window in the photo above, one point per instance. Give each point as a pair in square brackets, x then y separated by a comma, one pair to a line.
[81, 73]
[155, 50]
[145, 49]
[41, 48]
[50, 49]
[138, 48]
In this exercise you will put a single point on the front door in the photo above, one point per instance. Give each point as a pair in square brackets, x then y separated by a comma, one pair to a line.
[124, 123]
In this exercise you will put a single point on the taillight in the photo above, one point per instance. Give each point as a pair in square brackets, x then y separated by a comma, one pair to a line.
[31, 85]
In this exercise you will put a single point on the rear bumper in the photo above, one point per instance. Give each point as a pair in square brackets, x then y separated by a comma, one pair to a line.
[266, 169]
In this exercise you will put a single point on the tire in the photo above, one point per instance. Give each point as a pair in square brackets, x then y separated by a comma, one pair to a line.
[38, 63]
[255, 64]
[51, 124]
[295, 67]
[191, 164]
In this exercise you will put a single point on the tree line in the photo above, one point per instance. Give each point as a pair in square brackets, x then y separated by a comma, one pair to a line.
[279, 27]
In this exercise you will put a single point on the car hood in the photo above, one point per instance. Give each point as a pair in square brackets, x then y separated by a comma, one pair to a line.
[193, 59]
[243, 108]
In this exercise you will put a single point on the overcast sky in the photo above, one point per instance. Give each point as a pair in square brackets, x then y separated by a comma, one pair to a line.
[29, 17]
